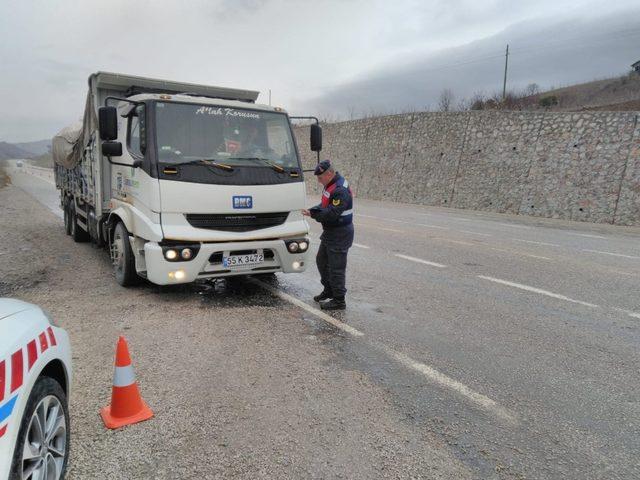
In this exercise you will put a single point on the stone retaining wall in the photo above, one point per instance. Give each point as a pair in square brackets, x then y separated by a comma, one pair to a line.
[575, 166]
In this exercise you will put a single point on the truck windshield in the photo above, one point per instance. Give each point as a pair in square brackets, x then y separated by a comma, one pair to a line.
[232, 136]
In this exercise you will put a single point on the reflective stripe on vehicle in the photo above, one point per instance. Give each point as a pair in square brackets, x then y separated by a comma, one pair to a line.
[44, 344]
[32, 353]
[52, 337]
[17, 370]
[7, 408]
[3, 377]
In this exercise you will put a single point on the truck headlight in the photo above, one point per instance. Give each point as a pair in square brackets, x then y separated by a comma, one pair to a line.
[297, 246]
[176, 252]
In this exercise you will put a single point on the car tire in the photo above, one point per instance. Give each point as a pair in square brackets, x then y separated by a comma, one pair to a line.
[124, 263]
[49, 398]
[77, 233]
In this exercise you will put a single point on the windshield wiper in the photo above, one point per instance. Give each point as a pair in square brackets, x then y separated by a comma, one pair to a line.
[275, 166]
[208, 162]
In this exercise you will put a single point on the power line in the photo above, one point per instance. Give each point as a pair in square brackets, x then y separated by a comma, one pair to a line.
[537, 48]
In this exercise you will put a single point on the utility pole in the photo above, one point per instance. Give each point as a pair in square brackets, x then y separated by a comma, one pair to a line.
[504, 83]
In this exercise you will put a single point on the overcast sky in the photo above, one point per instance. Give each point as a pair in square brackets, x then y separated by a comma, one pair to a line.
[334, 58]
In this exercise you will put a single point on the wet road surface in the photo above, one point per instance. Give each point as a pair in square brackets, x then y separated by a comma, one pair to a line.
[499, 346]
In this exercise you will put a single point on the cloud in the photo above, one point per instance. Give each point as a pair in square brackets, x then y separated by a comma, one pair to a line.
[550, 52]
[314, 56]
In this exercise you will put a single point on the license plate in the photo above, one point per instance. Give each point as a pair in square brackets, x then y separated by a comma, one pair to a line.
[243, 261]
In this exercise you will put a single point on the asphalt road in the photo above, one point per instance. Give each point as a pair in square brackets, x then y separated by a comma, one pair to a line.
[474, 345]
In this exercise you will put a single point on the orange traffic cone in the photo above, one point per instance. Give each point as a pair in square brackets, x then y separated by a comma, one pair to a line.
[127, 406]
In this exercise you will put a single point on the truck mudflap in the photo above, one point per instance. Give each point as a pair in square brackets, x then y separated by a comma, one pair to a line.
[223, 259]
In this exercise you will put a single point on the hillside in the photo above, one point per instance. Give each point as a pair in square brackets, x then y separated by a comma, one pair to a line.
[35, 149]
[39, 147]
[612, 94]
[619, 93]
[9, 150]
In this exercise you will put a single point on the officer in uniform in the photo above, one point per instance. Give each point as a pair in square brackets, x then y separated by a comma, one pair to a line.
[335, 213]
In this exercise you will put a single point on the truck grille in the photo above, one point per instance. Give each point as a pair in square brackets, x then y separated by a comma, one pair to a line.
[236, 222]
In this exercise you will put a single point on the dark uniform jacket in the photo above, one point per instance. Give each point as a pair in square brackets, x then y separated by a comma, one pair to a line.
[335, 213]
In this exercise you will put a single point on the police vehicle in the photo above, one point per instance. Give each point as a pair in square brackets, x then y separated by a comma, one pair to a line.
[35, 376]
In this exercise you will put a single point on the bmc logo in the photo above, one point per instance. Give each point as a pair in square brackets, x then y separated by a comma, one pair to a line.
[242, 201]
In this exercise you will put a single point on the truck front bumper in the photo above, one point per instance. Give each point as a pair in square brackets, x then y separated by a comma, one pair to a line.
[207, 263]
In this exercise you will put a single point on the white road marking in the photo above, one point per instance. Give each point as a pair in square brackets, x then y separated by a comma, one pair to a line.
[429, 372]
[512, 225]
[475, 233]
[536, 243]
[445, 381]
[360, 245]
[537, 290]
[419, 260]
[519, 253]
[431, 226]
[535, 256]
[378, 227]
[629, 312]
[611, 253]
[403, 222]
[587, 235]
[460, 242]
[305, 306]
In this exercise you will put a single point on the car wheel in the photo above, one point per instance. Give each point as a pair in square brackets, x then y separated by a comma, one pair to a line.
[42, 448]
[77, 233]
[124, 263]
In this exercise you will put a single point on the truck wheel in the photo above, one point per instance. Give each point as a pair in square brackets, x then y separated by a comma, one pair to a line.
[124, 263]
[42, 446]
[77, 233]
[67, 219]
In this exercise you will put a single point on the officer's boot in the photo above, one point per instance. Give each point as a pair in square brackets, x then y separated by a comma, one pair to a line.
[337, 303]
[323, 296]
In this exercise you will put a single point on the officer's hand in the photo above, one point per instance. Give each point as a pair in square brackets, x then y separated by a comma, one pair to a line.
[306, 213]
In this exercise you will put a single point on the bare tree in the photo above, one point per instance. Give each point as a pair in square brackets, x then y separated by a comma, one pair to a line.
[477, 102]
[445, 104]
[531, 90]
[464, 104]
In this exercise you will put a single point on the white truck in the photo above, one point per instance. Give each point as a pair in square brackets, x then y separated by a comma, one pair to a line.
[183, 182]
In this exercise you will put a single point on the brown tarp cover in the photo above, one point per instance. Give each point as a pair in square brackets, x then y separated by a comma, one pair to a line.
[68, 144]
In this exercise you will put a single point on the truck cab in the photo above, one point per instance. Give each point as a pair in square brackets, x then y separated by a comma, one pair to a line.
[191, 182]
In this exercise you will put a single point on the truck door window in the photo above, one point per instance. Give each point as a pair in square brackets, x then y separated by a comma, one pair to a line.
[135, 140]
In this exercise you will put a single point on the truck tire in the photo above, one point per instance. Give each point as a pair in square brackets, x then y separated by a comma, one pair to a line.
[124, 263]
[67, 218]
[77, 233]
[47, 409]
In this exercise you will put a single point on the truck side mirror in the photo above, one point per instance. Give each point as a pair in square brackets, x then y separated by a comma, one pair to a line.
[316, 137]
[111, 149]
[108, 123]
